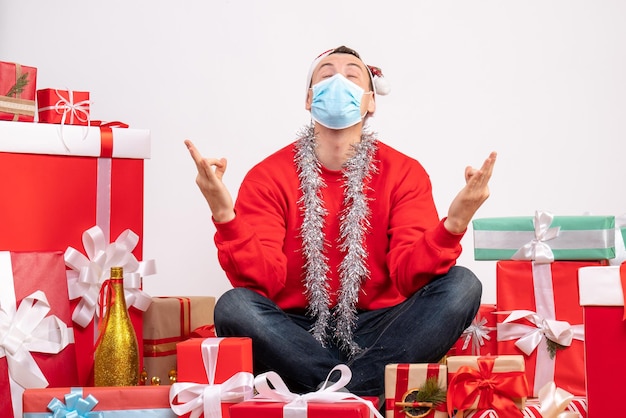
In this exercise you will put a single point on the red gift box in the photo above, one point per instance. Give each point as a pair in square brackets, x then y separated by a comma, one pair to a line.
[602, 294]
[275, 400]
[34, 302]
[230, 354]
[543, 299]
[18, 84]
[120, 401]
[402, 379]
[314, 410]
[480, 337]
[58, 188]
[224, 364]
[65, 107]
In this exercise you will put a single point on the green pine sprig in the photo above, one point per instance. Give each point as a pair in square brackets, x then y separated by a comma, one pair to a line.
[19, 85]
[430, 391]
[553, 347]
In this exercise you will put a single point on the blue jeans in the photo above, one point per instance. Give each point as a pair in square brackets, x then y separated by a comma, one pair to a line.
[419, 330]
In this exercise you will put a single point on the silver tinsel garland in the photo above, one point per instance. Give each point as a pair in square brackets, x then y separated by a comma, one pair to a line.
[354, 224]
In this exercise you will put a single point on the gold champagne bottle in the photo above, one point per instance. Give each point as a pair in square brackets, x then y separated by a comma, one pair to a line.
[116, 361]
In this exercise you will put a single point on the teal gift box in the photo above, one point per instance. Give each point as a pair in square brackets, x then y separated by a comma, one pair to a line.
[544, 238]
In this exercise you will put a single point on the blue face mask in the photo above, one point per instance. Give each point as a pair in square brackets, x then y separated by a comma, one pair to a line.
[336, 102]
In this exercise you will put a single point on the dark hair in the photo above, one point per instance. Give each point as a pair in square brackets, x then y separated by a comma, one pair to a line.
[345, 50]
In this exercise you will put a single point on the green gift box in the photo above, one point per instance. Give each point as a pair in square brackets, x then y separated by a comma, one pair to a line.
[544, 238]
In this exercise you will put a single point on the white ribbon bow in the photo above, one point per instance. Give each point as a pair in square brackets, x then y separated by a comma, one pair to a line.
[200, 398]
[27, 330]
[528, 337]
[537, 249]
[553, 402]
[88, 273]
[296, 406]
[78, 110]
[477, 333]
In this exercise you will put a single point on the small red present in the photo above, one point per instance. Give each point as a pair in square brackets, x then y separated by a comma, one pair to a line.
[480, 337]
[602, 295]
[403, 382]
[544, 322]
[486, 382]
[213, 374]
[36, 341]
[229, 356]
[18, 84]
[65, 107]
[120, 401]
[276, 401]
[168, 321]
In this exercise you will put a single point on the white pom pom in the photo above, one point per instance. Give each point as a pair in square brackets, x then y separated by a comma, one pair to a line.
[382, 86]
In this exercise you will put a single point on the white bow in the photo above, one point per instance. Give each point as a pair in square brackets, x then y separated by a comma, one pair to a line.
[88, 273]
[476, 333]
[537, 249]
[528, 337]
[296, 406]
[200, 398]
[553, 402]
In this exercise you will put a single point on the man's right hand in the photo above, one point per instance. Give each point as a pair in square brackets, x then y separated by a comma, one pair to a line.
[209, 180]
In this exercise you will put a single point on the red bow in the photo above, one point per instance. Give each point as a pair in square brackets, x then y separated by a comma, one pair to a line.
[493, 390]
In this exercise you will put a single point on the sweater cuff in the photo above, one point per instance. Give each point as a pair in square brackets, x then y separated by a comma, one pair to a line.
[446, 239]
[228, 231]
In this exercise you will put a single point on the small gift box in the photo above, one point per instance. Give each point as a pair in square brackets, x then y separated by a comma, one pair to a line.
[488, 382]
[416, 390]
[226, 379]
[274, 400]
[168, 321]
[480, 337]
[101, 402]
[602, 295]
[544, 321]
[232, 354]
[18, 84]
[544, 238]
[36, 338]
[65, 107]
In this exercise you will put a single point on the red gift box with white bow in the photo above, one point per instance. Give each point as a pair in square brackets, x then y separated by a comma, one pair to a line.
[59, 185]
[36, 338]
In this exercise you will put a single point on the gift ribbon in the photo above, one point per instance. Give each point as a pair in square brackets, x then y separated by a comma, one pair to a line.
[477, 333]
[537, 249]
[25, 329]
[554, 401]
[296, 405]
[622, 276]
[75, 406]
[198, 399]
[89, 272]
[490, 390]
[545, 326]
[620, 246]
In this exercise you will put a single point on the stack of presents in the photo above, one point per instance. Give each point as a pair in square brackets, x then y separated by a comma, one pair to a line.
[72, 208]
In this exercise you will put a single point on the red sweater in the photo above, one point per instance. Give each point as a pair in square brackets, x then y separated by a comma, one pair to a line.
[407, 244]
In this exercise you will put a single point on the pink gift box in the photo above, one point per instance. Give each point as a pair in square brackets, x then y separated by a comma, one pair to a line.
[22, 274]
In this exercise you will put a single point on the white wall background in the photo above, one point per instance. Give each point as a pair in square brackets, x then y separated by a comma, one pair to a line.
[541, 82]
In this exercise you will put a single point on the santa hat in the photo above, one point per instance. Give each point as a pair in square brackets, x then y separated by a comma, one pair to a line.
[381, 85]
